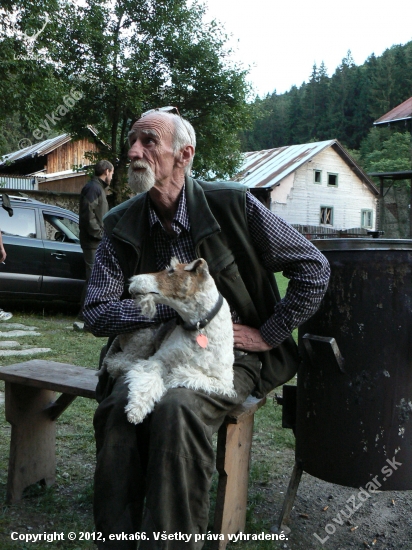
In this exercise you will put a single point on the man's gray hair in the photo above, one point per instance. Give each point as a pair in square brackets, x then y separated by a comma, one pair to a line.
[102, 166]
[184, 135]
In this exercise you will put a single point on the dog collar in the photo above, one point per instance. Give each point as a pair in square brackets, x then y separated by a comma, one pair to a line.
[203, 322]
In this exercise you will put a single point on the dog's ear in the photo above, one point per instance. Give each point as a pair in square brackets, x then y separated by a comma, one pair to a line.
[199, 266]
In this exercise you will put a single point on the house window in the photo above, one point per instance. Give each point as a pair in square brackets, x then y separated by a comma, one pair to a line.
[326, 215]
[367, 219]
[317, 176]
[332, 180]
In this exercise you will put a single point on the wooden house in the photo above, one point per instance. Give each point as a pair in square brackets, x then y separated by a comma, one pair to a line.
[57, 164]
[314, 185]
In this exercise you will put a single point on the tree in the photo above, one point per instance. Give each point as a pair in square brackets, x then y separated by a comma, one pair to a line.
[28, 86]
[297, 132]
[124, 57]
[393, 155]
[344, 92]
[343, 106]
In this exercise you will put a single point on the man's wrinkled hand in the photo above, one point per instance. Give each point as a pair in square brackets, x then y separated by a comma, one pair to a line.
[249, 339]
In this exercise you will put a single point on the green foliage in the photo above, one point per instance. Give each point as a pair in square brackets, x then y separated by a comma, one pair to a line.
[11, 132]
[341, 107]
[392, 156]
[125, 58]
[384, 150]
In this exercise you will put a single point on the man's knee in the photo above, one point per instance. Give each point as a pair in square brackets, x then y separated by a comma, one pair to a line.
[175, 407]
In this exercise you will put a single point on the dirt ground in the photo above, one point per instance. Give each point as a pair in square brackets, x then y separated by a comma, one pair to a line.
[383, 521]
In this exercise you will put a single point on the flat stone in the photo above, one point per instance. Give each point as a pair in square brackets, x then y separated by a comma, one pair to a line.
[30, 351]
[9, 344]
[17, 325]
[18, 333]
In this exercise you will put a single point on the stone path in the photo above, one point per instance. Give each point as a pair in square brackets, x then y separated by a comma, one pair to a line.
[12, 347]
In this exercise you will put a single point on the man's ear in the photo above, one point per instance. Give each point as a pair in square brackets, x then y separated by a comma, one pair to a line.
[186, 154]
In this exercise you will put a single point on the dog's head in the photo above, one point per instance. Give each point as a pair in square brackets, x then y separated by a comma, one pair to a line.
[184, 287]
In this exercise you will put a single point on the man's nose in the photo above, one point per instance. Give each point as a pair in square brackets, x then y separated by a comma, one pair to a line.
[135, 151]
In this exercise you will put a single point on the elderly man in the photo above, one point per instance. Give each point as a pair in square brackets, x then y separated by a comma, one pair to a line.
[154, 477]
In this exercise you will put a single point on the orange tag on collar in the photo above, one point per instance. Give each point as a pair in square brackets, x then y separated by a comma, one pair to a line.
[202, 340]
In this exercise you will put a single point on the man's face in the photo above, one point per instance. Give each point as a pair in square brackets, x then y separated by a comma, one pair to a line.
[151, 152]
[108, 175]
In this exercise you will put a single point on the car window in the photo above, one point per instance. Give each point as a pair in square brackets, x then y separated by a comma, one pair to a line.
[59, 228]
[21, 224]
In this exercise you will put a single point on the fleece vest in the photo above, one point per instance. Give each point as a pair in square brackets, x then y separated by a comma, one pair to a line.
[219, 229]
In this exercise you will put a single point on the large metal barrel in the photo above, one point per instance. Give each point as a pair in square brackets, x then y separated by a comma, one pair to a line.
[354, 394]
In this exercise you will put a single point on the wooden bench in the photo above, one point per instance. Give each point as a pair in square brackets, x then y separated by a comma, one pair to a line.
[32, 409]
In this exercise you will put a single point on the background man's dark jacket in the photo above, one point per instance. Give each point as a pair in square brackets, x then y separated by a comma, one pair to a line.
[93, 206]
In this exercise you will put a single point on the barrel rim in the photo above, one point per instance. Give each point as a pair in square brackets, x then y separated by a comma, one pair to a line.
[366, 244]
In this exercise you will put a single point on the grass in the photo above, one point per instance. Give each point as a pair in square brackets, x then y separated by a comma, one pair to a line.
[67, 505]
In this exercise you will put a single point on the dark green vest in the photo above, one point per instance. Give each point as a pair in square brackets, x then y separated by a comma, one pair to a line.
[220, 233]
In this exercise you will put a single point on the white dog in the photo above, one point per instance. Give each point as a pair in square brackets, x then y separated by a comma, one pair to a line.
[196, 353]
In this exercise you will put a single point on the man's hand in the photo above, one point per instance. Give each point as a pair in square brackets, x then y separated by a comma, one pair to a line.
[249, 339]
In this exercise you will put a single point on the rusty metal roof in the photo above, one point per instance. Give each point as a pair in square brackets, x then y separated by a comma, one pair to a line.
[401, 112]
[267, 168]
[36, 150]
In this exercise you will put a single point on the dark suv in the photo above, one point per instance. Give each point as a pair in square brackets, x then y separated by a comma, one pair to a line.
[44, 258]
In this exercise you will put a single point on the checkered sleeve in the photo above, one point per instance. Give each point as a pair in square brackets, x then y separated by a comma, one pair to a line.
[104, 311]
[283, 249]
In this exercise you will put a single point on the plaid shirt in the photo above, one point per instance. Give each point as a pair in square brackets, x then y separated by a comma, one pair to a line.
[279, 246]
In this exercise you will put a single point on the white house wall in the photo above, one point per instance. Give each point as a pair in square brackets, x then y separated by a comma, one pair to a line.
[298, 199]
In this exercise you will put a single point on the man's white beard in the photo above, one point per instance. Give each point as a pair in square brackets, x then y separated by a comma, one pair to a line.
[141, 181]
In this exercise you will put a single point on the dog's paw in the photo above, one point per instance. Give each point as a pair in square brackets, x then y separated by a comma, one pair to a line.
[146, 388]
[135, 415]
[147, 305]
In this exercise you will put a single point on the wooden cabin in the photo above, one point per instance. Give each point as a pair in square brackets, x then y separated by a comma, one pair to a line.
[57, 164]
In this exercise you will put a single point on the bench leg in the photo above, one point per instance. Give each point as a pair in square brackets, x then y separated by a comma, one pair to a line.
[33, 439]
[232, 462]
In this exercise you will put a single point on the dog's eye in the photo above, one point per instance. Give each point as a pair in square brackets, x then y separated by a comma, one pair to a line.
[170, 270]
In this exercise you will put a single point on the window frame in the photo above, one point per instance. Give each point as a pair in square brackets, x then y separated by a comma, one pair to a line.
[331, 208]
[315, 171]
[363, 212]
[337, 179]
[18, 209]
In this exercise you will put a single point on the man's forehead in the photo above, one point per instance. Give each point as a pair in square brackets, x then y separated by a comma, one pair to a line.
[157, 124]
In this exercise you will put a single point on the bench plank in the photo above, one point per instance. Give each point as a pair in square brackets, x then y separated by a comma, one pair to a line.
[51, 375]
[247, 408]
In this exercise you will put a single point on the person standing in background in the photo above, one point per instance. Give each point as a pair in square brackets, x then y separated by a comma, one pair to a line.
[92, 207]
[4, 315]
